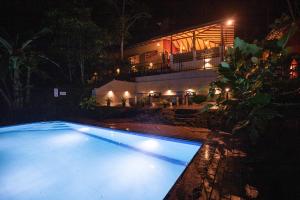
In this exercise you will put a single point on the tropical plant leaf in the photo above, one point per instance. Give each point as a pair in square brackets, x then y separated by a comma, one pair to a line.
[285, 38]
[6, 45]
[246, 48]
[43, 32]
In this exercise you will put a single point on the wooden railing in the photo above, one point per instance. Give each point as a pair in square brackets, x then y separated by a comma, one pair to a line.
[181, 62]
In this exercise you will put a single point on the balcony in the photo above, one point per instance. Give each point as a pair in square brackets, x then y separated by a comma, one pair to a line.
[197, 60]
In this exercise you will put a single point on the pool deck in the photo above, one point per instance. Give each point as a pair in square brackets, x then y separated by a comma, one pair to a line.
[214, 173]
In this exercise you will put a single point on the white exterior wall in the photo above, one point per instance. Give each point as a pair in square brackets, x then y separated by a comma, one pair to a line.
[166, 84]
[115, 90]
[198, 80]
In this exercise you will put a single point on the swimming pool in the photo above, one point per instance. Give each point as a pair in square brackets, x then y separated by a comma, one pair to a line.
[61, 161]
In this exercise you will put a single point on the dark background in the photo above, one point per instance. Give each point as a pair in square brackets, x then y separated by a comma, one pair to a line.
[252, 17]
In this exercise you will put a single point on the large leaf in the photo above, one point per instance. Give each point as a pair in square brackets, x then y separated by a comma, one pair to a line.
[36, 36]
[247, 48]
[6, 45]
[285, 38]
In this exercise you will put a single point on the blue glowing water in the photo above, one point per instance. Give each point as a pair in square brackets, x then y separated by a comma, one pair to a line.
[67, 161]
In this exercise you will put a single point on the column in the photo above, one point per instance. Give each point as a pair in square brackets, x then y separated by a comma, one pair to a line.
[194, 47]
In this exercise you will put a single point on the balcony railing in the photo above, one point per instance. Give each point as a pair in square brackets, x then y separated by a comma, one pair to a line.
[205, 59]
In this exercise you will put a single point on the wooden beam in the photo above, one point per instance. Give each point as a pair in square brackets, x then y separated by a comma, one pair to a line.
[199, 44]
[194, 42]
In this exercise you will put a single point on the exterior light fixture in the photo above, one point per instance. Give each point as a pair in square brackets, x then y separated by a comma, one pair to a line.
[207, 60]
[158, 44]
[169, 93]
[150, 65]
[126, 94]
[190, 92]
[206, 42]
[118, 71]
[110, 94]
[227, 93]
[229, 22]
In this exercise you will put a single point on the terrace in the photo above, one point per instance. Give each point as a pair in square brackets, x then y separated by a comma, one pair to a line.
[196, 48]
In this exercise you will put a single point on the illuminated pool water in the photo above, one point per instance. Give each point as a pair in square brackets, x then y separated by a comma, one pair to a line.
[60, 161]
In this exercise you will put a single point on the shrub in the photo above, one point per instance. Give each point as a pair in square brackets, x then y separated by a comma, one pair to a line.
[88, 103]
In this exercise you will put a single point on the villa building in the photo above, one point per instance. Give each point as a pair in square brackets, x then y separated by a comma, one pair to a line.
[173, 66]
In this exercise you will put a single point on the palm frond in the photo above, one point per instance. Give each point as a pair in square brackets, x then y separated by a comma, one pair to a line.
[49, 60]
[6, 45]
[43, 32]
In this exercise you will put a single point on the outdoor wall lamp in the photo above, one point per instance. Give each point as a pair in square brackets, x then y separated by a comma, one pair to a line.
[229, 22]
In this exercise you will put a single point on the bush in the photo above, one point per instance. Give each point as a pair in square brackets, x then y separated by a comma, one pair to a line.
[88, 103]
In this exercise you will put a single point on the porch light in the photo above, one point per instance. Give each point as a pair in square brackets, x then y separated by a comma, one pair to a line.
[110, 94]
[229, 22]
[207, 60]
[150, 65]
[190, 92]
[126, 94]
[169, 93]
[118, 71]
[151, 92]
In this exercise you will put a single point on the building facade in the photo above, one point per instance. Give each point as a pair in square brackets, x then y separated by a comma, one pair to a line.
[172, 67]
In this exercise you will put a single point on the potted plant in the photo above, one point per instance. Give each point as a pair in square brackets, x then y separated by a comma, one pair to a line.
[108, 101]
[123, 100]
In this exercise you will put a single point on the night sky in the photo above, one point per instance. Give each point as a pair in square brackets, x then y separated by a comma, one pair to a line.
[252, 16]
